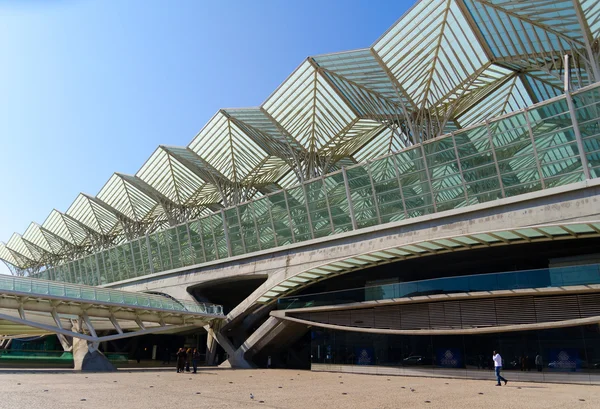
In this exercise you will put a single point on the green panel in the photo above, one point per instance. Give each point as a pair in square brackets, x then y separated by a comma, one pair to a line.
[387, 189]
[318, 208]
[296, 201]
[208, 238]
[477, 163]
[214, 227]
[234, 231]
[163, 240]
[446, 180]
[414, 182]
[101, 268]
[281, 219]
[58, 273]
[249, 228]
[556, 144]
[144, 255]
[362, 196]
[155, 253]
[138, 258]
[587, 112]
[171, 240]
[197, 241]
[514, 152]
[130, 260]
[119, 264]
[338, 202]
[260, 209]
[187, 253]
[89, 266]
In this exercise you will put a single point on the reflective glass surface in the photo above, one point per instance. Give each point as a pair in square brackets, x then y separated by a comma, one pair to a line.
[551, 355]
[547, 277]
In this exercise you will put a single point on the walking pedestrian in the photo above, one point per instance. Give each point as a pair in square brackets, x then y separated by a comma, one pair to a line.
[195, 359]
[498, 367]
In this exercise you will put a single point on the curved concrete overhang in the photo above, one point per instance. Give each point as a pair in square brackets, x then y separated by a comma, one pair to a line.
[470, 331]
[580, 289]
[505, 237]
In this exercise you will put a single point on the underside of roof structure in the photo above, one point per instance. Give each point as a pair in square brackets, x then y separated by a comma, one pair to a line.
[445, 65]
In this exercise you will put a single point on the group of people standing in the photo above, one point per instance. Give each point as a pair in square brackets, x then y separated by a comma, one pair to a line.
[185, 357]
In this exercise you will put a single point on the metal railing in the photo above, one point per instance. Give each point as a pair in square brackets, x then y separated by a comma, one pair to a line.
[37, 287]
[550, 144]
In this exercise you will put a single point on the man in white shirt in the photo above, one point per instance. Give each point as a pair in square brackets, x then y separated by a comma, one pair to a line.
[498, 367]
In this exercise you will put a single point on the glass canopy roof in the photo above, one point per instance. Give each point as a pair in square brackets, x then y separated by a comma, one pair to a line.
[443, 66]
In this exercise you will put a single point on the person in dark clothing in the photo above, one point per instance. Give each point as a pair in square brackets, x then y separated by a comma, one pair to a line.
[167, 357]
[195, 359]
[188, 359]
[181, 356]
[138, 354]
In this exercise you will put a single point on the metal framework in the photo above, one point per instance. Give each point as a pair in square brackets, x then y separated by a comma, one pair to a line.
[444, 66]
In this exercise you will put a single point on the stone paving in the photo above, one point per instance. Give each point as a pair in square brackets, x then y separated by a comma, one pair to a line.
[273, 388]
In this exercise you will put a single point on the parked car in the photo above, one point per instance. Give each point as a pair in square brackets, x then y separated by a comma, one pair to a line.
[414, 360]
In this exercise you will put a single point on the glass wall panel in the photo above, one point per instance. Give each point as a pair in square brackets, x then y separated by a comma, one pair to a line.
[173, 245]
[249, 228]
[338, 202]
[197, 241]
[138, 262]
[587, 112]
[214, 227]
[296, 200]
[415, 185]
[362, 196]
[514, 153]
[145, 255]
[387, 189]
[281, 219]
[187, 253]
[163, 240]
[155, 253]
[477, 163]
[234, 231]
[318, 208]
[261, 212]
[446, 179]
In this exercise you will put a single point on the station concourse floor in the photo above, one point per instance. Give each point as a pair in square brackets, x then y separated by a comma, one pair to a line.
[274, 388]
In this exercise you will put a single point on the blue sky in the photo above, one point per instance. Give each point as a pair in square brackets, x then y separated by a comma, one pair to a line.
[90, 87]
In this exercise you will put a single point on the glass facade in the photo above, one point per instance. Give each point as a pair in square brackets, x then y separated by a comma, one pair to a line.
[527, 151]
[565, 354]
[540, 278]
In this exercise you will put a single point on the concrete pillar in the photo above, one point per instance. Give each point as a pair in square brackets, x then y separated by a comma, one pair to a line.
[65, 342]
[86, 356]
[211, 350]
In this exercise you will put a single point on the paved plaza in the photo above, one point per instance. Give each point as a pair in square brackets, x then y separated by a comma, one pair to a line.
[216, 388]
